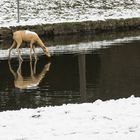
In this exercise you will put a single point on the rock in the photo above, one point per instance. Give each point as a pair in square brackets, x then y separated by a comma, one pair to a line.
[5, 32]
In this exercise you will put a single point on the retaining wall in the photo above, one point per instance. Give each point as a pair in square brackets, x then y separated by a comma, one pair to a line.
[74, 27]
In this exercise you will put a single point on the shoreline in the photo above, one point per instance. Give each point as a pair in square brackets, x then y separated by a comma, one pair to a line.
[70, 28]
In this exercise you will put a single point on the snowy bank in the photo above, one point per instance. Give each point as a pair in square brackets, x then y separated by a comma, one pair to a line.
[66, 17]
[56, 11]
[117, 119]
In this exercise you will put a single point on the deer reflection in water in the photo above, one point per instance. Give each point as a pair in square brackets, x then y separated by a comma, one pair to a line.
[33, 80]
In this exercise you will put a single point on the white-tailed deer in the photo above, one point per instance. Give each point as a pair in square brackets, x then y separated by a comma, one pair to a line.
[27, 36]
[31, 81]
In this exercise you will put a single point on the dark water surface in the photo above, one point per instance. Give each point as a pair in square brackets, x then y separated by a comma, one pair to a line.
[109, 73]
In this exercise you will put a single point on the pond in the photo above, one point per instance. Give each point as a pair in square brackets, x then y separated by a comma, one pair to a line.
[82, 69]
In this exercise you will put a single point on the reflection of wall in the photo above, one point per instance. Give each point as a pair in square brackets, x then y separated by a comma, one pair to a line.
[93, 68]
[120, 71]
[64, 73]
[82, 76]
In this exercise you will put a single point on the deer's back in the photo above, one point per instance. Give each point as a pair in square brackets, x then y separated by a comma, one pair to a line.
[25, 35]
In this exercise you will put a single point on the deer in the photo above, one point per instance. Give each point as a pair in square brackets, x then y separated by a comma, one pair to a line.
[32, 81]
[27, 36]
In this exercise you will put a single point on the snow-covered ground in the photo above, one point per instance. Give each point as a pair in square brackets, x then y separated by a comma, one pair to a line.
[54, 11]
[113, 119]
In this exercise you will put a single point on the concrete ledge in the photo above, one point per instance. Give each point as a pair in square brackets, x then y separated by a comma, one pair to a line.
[75, 27]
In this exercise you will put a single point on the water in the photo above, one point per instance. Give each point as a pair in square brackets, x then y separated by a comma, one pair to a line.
[73, 75]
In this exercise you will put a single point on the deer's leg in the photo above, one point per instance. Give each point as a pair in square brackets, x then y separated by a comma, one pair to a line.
[12, 71]
[19, 68]
[31, 68]
[19, 73]
[35, 63]
[18, 51]
[30, 53]
[31, 45]
[31, 48]
[34, 52]
[10, 49]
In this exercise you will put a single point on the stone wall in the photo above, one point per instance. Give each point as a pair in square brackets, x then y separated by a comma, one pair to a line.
[75, 27]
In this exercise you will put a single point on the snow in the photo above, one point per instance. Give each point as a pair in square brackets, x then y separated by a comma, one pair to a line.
[102, 120]
[56, 11]
[30, 32]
